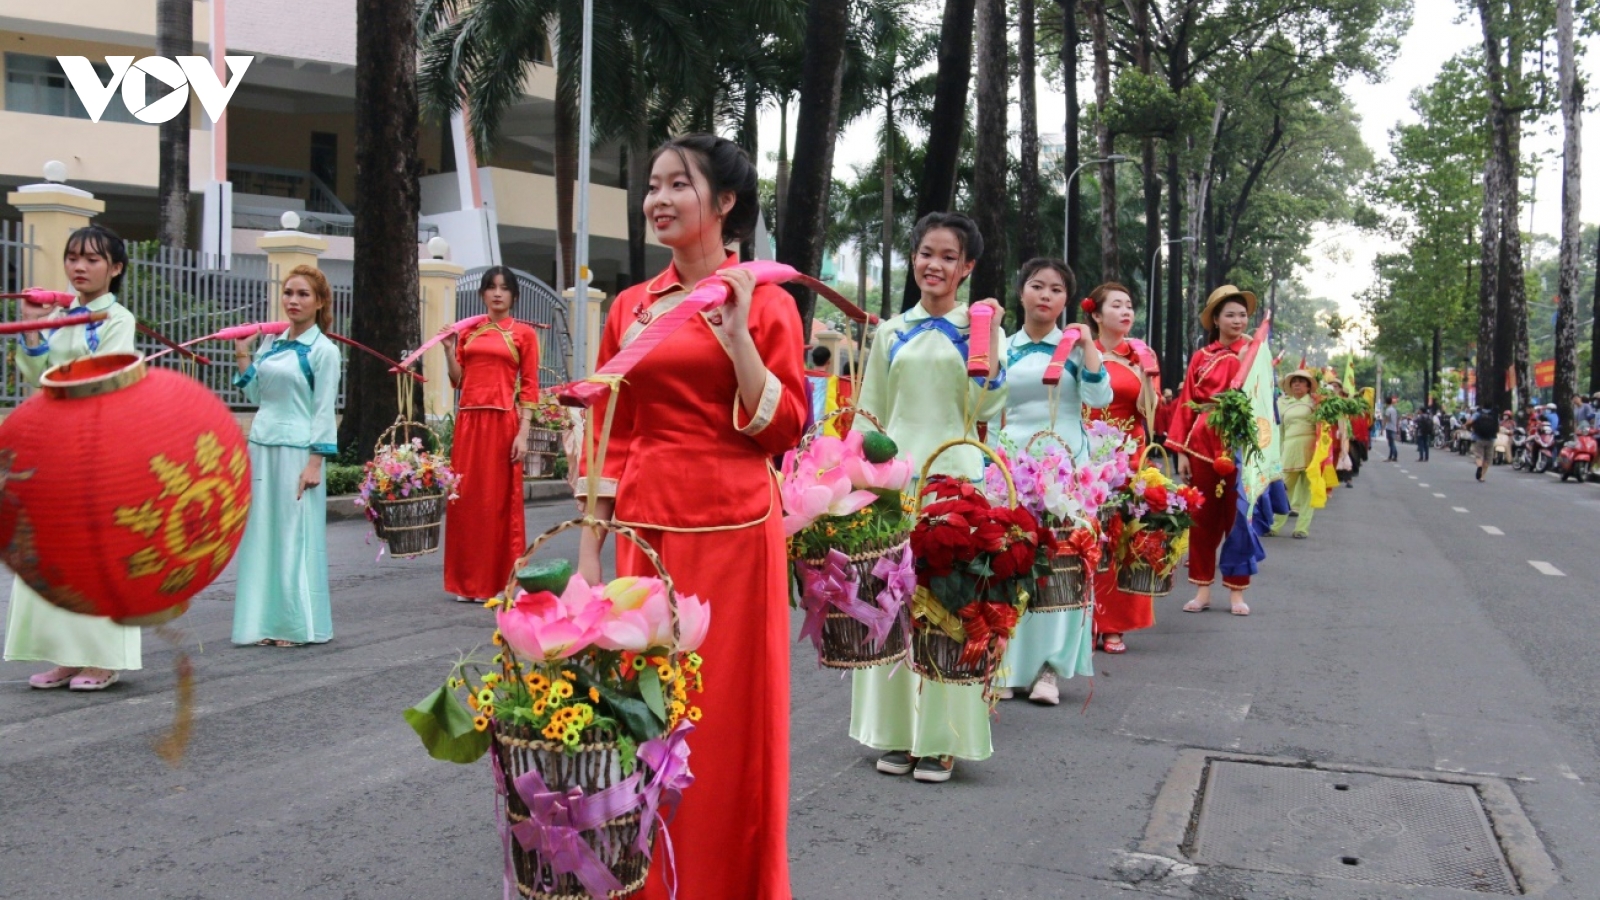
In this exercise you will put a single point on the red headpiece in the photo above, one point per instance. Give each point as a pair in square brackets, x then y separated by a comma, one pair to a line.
[1087, 305]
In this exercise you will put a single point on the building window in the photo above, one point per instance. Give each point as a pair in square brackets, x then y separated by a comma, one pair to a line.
[37, 84]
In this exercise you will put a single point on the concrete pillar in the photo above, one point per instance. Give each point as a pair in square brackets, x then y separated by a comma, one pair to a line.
[596, 321]
[285, 250]
[438, 291]
[51, 211]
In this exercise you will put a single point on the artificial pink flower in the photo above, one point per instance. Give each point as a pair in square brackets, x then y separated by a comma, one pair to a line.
[543, 626]
[815, 485]
[893, 475]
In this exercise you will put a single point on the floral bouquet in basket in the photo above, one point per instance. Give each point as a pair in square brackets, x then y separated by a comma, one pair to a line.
[846, 514]
[1150, 528]
[586, 708]
[402, 471]
[549, 414]
[977, 564]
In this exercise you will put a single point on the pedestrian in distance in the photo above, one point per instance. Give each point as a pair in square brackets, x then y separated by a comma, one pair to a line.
[282, 598]
[1134, 375]
[917, 385]
[89, 652]
[496, 368]
[1391, 428]
[1204, 461]
[1060, 644]
[688, 468]
[1485, 430]
[1425, 428]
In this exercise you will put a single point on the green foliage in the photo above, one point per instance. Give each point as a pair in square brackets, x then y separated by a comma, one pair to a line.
[342, 479]
[1147, 106]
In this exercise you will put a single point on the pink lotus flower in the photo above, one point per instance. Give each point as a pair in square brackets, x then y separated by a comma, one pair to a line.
[815, 485]
[639, 617]
[544, 626]
[893, 475]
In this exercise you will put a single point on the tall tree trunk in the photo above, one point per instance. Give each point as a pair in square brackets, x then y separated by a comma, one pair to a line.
[387, 313]
[1171, 350]
[1110, 261]
[936, 191]
[1069, 139]
[1028, 190]
[1144, 58]
[827, 22]
[638, 186]
[1571, 204]
[989, 198]
[1491, 378]
[1594, 326]
[887, 225]
[174, 38]
[749, 140]
[566, 154]
[780, 182]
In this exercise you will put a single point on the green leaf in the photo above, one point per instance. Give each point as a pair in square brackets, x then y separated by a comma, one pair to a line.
[445, 726]
[631, 713]
[650, 690]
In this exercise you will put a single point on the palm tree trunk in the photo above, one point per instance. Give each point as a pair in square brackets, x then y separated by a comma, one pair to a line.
[638, 184]
[1110, 261]
[1069, 138]
[887, 227]
[174, 38]
[827, 23]
[781, 180]
[387, 318]
[1028, 190]
[948, 122]
[989, 199]
[749, 139]
[1571, 202]
[566, 136]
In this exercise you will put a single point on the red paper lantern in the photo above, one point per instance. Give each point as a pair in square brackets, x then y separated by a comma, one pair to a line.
[124, 490]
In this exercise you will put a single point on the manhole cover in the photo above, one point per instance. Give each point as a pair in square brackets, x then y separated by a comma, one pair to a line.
[1348, 825]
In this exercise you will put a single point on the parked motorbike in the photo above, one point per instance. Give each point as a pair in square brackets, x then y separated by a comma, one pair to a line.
[1521, 452]
[1463, 440]
[1543, 450]
[1577, 456]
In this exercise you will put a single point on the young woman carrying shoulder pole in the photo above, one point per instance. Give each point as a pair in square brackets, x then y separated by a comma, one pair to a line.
[916, 384]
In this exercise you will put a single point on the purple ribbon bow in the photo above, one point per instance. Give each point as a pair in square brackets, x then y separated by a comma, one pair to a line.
[899, 583]
[831, 584]
[668, 758]
[556, 821]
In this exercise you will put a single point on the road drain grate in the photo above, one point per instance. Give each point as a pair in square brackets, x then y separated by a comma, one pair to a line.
[1367, 827]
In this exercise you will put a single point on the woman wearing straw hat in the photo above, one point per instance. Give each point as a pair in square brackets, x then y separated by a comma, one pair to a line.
[1204, 460]
[1297, 411]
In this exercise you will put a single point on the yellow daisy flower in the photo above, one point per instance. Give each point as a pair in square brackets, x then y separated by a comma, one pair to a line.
[481, 723]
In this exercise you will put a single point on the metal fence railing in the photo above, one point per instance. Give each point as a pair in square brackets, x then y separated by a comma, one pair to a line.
[538, 304]
[17, 271]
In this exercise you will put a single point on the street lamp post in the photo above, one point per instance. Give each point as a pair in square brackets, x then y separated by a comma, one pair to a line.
[1066, 194]
[1150, 284]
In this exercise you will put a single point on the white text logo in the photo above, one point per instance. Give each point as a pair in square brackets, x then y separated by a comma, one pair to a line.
[180, 75]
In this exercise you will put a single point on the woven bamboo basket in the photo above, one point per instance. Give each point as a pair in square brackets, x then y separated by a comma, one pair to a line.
[411, 526]
[845, 641]
[594, 766]
[544, 445]
[935, 655]
[1067, 587]
[1143, 580]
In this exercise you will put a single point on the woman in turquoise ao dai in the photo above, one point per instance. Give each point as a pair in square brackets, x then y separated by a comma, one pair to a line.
[916, 384]
[1050, 644]
[88, 651]
[283, 562]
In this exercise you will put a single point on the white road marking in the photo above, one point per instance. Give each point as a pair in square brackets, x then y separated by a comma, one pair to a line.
[1546, 569]
[1422, 484]
[1459, 509]
[1490, 529]
[1440, 496]
[1412, 477]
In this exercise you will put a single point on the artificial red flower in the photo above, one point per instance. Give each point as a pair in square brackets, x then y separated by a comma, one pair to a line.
[1150, 547]
[945, 487]
[1156, 496]
[1018, 543]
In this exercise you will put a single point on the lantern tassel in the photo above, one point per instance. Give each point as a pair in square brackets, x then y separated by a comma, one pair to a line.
[175, 743]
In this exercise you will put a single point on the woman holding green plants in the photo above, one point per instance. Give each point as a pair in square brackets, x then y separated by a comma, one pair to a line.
[1297, 411]
[282, 598]
[916, 384]
[1205, 460]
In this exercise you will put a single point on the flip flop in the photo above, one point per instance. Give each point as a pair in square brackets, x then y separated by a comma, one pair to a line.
[1190, 607]
[1242, 609]
[1114, 648]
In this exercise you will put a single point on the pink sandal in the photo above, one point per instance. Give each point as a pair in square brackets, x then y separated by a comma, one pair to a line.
[60, 676]
[94, 682]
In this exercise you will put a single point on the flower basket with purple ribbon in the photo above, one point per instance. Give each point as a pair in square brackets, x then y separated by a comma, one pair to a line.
[845, 512]
[586, 712]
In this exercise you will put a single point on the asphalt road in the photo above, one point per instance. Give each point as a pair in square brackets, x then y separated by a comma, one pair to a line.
[1405, 635]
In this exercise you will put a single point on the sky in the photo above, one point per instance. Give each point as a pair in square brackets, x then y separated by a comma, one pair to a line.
[1341, 256]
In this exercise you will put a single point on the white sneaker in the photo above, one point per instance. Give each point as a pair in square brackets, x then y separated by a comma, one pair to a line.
[467, 600]
[1045, 691]
[1006, 694]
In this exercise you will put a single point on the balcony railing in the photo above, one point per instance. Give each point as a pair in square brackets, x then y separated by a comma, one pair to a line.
[295, 184]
